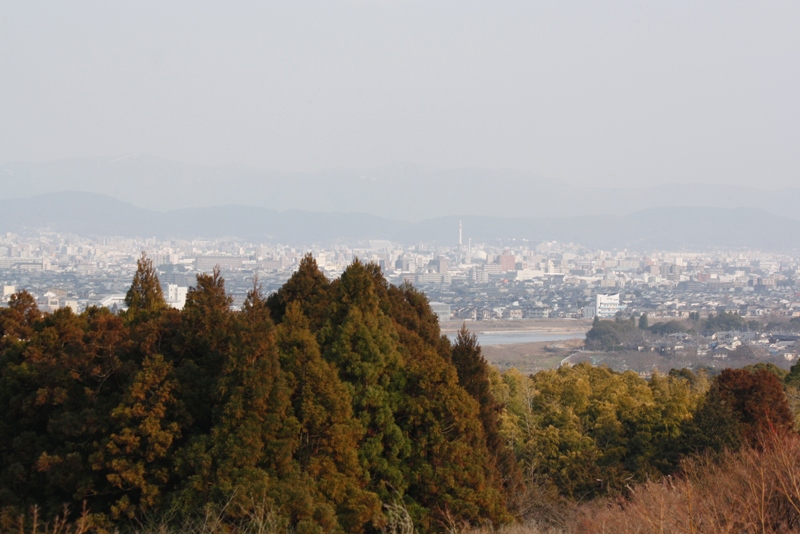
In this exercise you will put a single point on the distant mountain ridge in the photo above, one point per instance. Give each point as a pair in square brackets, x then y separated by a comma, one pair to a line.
[404, 192]
[672, 228]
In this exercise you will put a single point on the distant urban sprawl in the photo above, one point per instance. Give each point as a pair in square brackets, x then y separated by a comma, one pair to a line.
[469, 281]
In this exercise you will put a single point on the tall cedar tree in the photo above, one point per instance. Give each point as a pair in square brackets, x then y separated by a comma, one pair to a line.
[449, 467]
[145, 292]
[16, 321]
[143, 430]
[445, 469]
[254, 431]
[473, 376]
[359, 340]
[206, 333]
[328, 436]
[309, 287]
[148, 422]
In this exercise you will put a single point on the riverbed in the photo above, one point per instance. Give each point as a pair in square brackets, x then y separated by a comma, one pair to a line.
[513, 337]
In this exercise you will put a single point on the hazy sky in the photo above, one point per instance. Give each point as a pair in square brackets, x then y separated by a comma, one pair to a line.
[611, 93]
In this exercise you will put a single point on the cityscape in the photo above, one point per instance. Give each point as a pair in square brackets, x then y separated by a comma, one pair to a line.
[478, 282]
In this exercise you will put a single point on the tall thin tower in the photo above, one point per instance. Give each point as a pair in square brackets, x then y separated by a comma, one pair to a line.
[459, 234]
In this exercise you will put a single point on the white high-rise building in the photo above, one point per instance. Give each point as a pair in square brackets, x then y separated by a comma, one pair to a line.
[605, 307]
[176, 295]
[7, 292]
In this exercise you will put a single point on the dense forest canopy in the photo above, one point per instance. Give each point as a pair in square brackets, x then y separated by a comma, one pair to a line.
[332, 403]
[326, 400]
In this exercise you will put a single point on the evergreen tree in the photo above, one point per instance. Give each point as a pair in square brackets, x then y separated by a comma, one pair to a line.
[361, 342]
[793, 377]
[145, 292]
[612, 335]
[643, 322]
[450, 467]
[254, 431]
[758, 400]
[329, 434]
[309, 287]
[740, 407]
[473, 376]
[57, 397]
[202, 345]
[206, 334]
[208, 295]
[136, 454]
[715, 426]
[16, 321]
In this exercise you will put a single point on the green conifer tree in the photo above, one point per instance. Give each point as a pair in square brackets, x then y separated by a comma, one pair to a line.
[17, 319]
[309, 287]
[136, 454]
[145, 292]
[450, 467]
[254, 431]
[205, 337]
[58, 400]
[329, 433]
[473, 376]
[361, 342]
[202, 346]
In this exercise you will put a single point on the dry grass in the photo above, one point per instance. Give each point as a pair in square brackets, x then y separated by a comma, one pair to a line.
[33, 523]
[754, 491]
[259, 519]
[529, 528]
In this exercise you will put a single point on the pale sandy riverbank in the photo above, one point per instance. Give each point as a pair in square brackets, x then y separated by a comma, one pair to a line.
[528, 357]
[543, 326]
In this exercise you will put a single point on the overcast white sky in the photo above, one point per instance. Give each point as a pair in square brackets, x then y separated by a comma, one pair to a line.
[607, 93]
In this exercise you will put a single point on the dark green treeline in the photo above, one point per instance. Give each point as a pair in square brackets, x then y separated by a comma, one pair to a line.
[325, 401]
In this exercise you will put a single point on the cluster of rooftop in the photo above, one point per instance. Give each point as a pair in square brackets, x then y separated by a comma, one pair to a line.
[512, 280]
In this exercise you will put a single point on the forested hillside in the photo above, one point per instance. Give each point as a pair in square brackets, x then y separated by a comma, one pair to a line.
[333, 406]
[326, 401]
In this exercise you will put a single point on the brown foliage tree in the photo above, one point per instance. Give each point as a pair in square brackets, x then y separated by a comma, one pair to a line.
[145, 292]
[757, 399]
